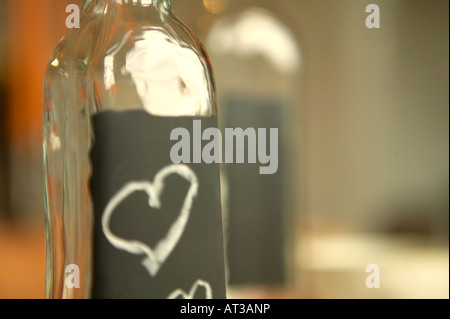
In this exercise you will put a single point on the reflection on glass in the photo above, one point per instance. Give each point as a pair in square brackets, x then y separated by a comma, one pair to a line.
[170, 79]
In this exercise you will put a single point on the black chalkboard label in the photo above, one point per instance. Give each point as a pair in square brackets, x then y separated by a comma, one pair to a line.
[256, 202]
[157, 225]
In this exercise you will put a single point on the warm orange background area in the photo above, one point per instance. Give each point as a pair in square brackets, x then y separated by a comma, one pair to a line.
[22, 263]
[31, 31]
[34, 29]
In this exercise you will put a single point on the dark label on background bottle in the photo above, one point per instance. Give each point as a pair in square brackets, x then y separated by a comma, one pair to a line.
[157, 225]
[256, 203]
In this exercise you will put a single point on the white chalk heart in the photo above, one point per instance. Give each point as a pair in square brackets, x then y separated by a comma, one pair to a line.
[157, 256]
[180, 293]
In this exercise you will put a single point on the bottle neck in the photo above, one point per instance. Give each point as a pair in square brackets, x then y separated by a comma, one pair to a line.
[166, 5]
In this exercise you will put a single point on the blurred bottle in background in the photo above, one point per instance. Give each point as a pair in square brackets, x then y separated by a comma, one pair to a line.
[258, 67]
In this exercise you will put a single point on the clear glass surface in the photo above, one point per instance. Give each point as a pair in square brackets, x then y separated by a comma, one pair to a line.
[126, 55]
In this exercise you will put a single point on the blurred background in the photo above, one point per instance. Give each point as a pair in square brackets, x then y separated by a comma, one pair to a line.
[366, 119]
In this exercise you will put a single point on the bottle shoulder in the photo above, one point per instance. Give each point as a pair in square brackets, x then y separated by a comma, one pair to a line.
[158, 65]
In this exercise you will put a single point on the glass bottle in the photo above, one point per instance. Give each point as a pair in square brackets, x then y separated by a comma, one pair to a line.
[126, 55]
